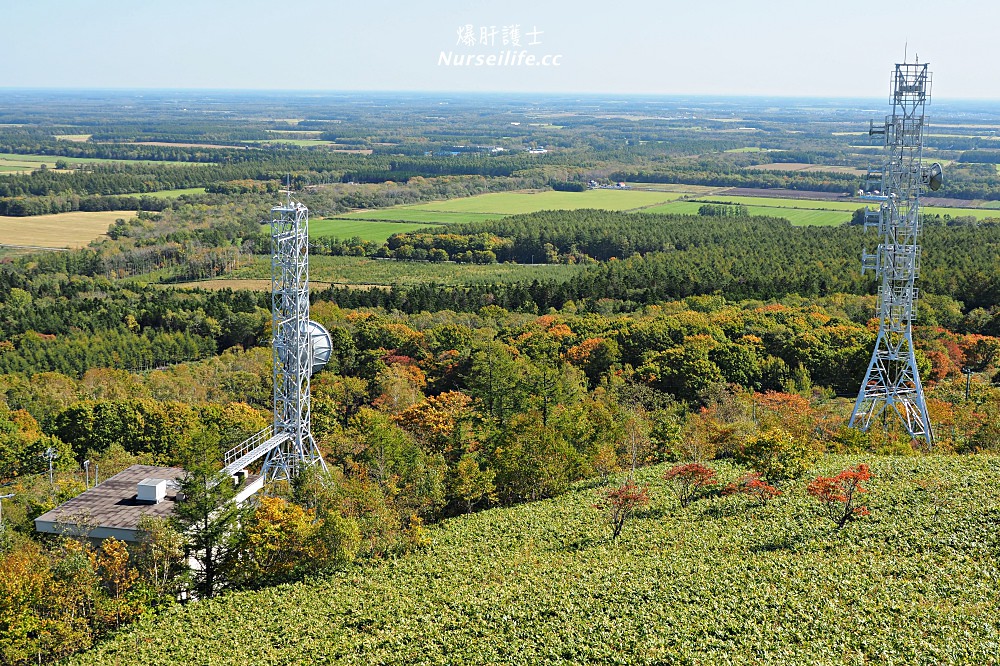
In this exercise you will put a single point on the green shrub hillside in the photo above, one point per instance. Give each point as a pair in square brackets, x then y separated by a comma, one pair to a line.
[723, 580]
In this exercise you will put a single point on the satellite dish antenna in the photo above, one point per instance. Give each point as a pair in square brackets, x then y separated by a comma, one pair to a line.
[935, 177]
[322, 346]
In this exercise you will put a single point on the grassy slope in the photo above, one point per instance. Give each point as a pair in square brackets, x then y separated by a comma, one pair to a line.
[916, 583]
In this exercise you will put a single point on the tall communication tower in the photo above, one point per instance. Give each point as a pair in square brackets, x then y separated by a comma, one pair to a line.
[300, 348]
[892, 382]
[292, 341]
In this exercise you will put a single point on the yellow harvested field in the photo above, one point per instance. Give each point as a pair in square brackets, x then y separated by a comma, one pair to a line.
[62, 230]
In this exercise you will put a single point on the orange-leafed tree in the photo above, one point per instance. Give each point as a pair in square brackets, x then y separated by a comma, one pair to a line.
[690, 480]
[838, 495]
[619, 504]
[754, 487]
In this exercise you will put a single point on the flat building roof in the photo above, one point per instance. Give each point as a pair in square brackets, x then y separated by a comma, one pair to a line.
[111, 509]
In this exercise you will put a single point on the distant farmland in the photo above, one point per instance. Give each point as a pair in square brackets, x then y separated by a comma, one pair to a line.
[371, 224]
[365, 229]
[17, 163]
[379, 224]
[804, 212]
[62, 230]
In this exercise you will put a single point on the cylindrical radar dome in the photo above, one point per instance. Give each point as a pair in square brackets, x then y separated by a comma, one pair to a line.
[322, 346]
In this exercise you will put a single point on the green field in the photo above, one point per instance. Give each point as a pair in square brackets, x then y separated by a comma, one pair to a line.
[485, 207]
[386, 272]
[368, 224]
[366, 230]
[802, 211]
[513, 203]
[409, 214]
[797, 216]
[769, 202]
[718, 582]
[978, 213]
[173, 194]
[664, 199]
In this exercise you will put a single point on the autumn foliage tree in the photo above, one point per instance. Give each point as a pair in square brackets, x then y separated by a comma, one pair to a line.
[753, 487]
[58, 599]
[118, 577]
[471, 482]
[838, 495]
[619, 504]
[690, 480]
[274, 543]
[777, 454]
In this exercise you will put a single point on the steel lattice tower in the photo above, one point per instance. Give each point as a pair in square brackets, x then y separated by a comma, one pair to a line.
[292, 343]
[892, 382]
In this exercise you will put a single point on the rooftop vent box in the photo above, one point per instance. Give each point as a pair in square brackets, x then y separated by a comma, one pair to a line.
[151, 491]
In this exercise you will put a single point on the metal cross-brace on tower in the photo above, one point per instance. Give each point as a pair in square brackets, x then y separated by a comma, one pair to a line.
[892, 382]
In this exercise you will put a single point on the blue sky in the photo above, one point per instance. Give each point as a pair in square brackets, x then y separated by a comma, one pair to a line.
[718, 47]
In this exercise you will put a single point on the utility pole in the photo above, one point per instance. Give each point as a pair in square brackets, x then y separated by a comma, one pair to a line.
[968, 381]
[2, 498]
[50, 455]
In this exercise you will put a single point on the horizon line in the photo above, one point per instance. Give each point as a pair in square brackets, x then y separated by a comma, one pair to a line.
[461, 93]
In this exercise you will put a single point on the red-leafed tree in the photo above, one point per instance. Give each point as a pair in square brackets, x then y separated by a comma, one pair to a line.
[752, 486]
[838, 495]
[690, 480]
[619, 504]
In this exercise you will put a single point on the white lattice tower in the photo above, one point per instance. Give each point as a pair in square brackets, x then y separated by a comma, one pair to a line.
[892, 382]
[292, 344]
